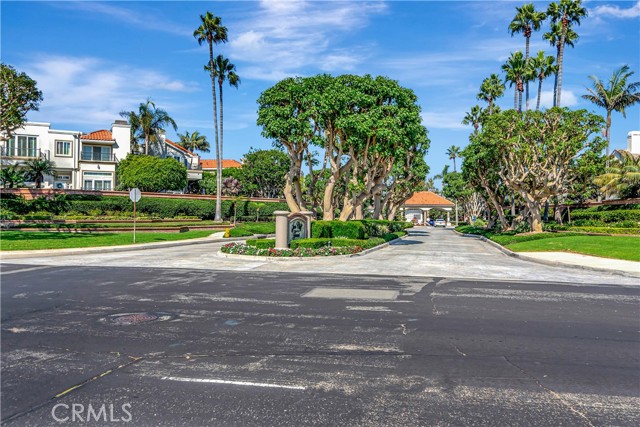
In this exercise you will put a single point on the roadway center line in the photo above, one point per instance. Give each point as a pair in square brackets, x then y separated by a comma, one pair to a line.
[22, 270]
[216, 381]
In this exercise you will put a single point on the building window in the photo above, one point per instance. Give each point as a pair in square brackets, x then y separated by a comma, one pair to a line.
[63, 148]
[96, 153]
[98, 181]
[22, 146]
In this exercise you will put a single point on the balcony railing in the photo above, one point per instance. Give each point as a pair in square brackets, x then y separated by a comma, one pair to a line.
[103, 157]
[23, 152]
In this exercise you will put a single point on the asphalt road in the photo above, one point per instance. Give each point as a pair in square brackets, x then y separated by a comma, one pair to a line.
[176, 347]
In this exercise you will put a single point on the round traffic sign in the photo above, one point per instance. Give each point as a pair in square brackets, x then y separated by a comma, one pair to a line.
[135, 195]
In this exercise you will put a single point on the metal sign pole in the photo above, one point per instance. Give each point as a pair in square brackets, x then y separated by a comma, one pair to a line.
[134, 222]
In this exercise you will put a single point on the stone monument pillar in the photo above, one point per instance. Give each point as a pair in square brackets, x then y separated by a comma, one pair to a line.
[282, 229]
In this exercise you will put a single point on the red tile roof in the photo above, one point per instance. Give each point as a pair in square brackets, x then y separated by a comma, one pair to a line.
[99, 135]
[212, 164]
[427, 198]
[179, 147]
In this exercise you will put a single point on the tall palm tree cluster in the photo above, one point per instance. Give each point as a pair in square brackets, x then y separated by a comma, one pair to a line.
[212, 32]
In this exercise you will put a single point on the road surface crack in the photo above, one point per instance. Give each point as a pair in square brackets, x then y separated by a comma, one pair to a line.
[556, 395]
[458, 350]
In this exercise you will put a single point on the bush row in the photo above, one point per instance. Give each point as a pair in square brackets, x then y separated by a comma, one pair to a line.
[153, 206]
[242, 249]
[251, 228]
[358, 229]
[262, 243]
[599, 230]
[606, 216]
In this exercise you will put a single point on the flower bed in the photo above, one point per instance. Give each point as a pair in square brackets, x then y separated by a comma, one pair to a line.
[242, 249]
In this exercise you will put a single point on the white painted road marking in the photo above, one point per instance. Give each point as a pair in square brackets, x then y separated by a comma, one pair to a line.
[22, 270]
[215, 381]
[352, 293]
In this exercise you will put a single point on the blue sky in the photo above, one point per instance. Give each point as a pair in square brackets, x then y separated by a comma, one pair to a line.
[95, 59]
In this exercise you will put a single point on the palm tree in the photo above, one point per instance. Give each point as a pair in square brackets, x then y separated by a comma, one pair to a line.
[453, 152]
[430, 185]
[443, 174]
[213, 32]
[622, 178]
[224, 70]
[134, 123]
[516, 74]
[553, 37]
[541, 67]
[36, 169]
[491, 89]
[149, 123]
[565, 12]
[194, 141]
[617, 96]
[474, 118]
[526, 20]
[11, 176]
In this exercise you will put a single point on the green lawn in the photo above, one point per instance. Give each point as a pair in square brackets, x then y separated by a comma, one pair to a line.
[29, 240]
[99, 224]
[619, 247]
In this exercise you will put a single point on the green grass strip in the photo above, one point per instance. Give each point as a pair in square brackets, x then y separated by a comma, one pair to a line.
[618, 247]
[33, 240]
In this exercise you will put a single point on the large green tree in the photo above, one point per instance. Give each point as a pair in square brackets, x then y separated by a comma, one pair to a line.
[151, 173]
[211, 31]
[527, 20]
[19, 95]
[149, 124]
[617, 95]
[567, 13]
[536, 150]
[622, 177]
[194, 141]
[263, 173]
[491, 89]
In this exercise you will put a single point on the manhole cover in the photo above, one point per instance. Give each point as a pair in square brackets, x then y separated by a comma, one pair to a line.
[124, 319]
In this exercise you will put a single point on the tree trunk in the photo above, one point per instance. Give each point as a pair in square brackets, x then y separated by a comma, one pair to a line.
[526, 58]
[608, 130]
[288, 194]
[515, 97]
[535, 220]
[539, 93]
[560, 59]
[359, 212]
[555, 78]
[328, 207]
[490, 105]
[221, 124]
[377, 206]
[218, 216]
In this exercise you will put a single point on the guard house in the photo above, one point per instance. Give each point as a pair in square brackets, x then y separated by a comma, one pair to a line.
[417, 208]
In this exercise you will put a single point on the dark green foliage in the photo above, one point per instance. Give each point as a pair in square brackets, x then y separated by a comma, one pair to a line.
[392, 236]
[57, 204]
[348, 229]
[336, 243]
[606, 216]
[150, 173]
[262, 243]
[321, 229]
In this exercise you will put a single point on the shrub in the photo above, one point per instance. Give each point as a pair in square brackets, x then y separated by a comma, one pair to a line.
[150, 173]
[251, 228]
[347, 229]
[321, 229]
[316, 243]
[606, 216]
[392, 236]
[262, 243]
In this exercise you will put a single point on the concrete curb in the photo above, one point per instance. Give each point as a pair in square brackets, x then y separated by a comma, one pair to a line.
[6, 255]
[544, 261]
[298, 259]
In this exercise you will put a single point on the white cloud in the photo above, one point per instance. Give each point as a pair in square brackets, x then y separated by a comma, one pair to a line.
[568, 99]
[443, 120]
[616, 11]
[92, 91]
[282, 38]
[148, 19]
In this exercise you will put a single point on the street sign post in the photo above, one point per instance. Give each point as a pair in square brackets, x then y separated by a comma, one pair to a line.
[135, 196]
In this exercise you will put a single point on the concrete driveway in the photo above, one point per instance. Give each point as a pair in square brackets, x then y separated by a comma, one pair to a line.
[426, 252]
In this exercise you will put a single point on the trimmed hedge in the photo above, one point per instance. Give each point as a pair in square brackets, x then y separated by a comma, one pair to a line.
[356, 229]
[262, 243]
[251, 228]
[598, 230]
[154, 206]
[606, 216]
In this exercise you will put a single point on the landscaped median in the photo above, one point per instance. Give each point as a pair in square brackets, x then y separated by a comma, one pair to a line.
[329, 238]
[616, 247]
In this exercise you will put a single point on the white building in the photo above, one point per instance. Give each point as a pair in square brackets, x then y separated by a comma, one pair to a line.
[82, 161]
[633, 142]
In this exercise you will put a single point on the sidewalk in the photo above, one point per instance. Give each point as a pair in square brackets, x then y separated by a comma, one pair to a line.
[585, 261]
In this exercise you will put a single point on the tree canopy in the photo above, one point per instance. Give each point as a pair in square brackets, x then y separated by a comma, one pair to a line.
[368, 127]
[150, 173]
[20, 95]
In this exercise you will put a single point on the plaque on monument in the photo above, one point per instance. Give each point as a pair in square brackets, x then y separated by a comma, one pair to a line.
[297, 228]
